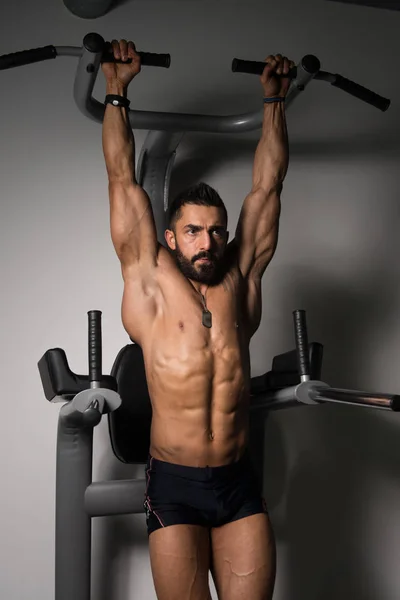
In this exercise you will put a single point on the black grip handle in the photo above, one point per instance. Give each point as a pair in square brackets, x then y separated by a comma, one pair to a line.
[151, 59]
[300, 332]
[361, 92]
[254, 67]
[26, 57]
[147, 59]
[95, 346]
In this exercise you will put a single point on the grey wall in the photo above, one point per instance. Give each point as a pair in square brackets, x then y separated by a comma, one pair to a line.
[331, 476]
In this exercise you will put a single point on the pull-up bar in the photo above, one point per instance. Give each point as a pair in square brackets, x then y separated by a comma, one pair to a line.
[95, 50]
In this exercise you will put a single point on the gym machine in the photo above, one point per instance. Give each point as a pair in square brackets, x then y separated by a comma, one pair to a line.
[294, 379]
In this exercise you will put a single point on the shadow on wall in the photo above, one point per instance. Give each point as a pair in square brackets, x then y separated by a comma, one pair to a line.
[339, 448]
[322, 523]
[328, 510]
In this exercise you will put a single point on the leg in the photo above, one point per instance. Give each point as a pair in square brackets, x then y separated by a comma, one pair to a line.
[180, 561]
[244, 559]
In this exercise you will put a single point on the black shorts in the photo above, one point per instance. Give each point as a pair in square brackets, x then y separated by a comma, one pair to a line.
[209, 496]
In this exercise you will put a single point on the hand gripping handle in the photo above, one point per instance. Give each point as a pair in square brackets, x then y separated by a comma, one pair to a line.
[303, 354]
[254, 67]
[26, 57]
[95, 355]
[147, 59]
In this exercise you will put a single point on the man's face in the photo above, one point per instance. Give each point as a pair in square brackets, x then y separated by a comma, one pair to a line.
[199, 241]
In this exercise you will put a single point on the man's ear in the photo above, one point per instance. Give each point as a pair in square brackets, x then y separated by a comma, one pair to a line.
[170, 239]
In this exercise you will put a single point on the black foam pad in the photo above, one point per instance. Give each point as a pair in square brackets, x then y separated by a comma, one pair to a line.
[129, 425]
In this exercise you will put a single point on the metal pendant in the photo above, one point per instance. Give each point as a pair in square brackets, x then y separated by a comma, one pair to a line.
[207, 318]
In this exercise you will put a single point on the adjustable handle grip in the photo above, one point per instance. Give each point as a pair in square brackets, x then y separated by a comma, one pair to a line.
[95, 346]
[361, 92]
[303, 354]
[26, 57]
[254, 67]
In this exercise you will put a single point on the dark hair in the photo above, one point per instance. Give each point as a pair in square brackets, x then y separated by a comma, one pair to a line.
[200, 194]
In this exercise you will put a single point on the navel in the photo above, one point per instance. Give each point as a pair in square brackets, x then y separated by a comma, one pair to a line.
[181, 325]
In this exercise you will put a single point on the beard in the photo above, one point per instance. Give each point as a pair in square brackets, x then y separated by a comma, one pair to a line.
[209, 273]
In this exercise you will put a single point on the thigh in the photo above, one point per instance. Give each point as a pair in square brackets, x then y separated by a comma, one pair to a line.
[244, 559]
[180, 562]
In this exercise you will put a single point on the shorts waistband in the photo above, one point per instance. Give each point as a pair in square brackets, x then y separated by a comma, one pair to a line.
[198, 473]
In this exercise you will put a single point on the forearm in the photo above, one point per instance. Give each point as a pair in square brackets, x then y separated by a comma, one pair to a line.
[118, 140]
[272, 153]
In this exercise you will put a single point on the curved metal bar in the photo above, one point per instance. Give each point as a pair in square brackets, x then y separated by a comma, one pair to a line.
[69, 51]
[162, 121]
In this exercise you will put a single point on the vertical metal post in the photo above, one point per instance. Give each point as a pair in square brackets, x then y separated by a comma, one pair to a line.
[73, 525]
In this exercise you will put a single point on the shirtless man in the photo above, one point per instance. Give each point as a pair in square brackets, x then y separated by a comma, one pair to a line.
[193, 310]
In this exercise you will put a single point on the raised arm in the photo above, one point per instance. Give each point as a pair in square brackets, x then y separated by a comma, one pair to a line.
[257, 230]
[133, 229]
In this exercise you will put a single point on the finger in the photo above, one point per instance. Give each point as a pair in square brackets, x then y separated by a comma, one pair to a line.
[123, 44]
[115, 47]
[271, 64]
[286, 66]
[131, 50]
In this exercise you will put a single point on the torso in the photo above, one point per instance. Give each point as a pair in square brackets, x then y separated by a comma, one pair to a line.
[198, 377]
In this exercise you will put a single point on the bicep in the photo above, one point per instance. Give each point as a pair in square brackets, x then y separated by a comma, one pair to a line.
[257, 231]
[133, 230]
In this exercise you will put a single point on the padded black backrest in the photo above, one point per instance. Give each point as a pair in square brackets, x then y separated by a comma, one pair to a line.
[129, 425]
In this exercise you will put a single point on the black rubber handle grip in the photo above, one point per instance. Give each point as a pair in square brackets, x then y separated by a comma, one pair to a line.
[300, 332]
[26, 57]
[148, 59]
[254, 67]
[151, 59]
[361, 92]
[95, 346]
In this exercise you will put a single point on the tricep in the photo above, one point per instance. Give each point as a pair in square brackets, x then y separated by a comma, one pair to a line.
[133, 230]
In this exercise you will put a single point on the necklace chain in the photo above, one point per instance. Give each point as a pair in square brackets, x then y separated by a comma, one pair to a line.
[207, 315]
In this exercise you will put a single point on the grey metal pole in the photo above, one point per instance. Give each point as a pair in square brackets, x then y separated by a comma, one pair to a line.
[73, 525]
[115, 497]
[375, 400]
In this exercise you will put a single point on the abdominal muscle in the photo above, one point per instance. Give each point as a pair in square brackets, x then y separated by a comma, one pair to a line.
[200, 408]
[198, 378]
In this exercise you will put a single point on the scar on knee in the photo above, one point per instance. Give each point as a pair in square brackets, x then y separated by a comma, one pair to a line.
[242, 572]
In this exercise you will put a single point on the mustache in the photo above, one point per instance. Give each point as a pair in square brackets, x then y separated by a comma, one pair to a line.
[207, 255]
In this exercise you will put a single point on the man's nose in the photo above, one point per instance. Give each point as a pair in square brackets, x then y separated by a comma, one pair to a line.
[206, 241]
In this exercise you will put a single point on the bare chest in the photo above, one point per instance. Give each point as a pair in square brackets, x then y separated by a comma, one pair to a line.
[199, 342]
[213, 319]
